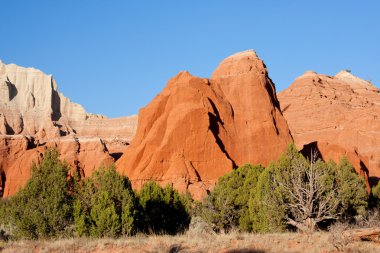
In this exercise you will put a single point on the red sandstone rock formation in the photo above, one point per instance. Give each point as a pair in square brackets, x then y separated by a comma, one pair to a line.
[195, 131]
[34, 116]
[198, 129]
[341, 113]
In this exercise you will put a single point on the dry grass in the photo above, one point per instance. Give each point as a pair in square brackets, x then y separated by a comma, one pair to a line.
[198, 243]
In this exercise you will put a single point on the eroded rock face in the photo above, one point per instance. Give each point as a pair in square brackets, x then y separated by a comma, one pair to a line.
[34, 116]
[198, 129]
[195, 130]
[341, 113]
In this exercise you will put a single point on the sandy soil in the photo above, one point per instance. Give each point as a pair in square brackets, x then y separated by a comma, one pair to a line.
[199, 243]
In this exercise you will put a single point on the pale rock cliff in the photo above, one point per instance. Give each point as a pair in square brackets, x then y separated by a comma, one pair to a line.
[34, 116]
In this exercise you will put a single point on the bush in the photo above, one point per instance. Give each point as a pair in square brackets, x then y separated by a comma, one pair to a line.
[54, 204]
[5, 225]
[164, 210]
[352, 190]
[227, 206]
[43, 208]
[265, 212]
[265, 215]
[376, 195]
[105, 205]
[304, 194]
[4, 211]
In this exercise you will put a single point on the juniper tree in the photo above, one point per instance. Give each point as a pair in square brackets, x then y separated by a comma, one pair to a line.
[301, 193]
[43, 208]
[105, 205]
[227, 205]
[164, 209]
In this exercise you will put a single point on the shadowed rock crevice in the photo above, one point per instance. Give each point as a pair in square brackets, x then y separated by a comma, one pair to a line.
[275, 124]
[3, 180]
[11, 89]
[214, 128]
[269, 86]
[55, 103]
[116, 156]
[311, 150]
[373, 180]
[9, 130]
[216, 112]
[364, 168]
[31, 143]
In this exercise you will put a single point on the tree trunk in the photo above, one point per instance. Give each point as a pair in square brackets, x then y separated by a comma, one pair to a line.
[308, 226]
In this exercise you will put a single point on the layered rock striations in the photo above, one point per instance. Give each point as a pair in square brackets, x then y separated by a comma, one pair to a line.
[198, 129]
[34, 116]
[340, 114]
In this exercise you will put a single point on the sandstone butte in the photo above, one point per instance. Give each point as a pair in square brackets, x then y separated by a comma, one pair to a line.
[34, 116]
[199, 129]
[195, 130]
[339, 115]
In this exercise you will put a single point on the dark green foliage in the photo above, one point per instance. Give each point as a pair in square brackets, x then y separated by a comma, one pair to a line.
[267, 214]
[352, 190]
[303, 193]
[164, 210]
[227, 206]
[105, 205]
[3, 211]
[44, 207]
[376, 195]
[54, 204]
[250, 198]
[5, 226]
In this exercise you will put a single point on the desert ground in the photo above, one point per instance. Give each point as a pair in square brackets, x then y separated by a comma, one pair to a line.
[320, 242]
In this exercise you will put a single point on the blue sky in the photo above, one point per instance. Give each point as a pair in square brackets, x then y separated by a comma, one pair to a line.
[113, 56]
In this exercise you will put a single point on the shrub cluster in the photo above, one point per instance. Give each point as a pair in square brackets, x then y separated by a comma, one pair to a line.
[227, 206]
[44, 206]
[292, 193]
[105, 205]
[54, 204]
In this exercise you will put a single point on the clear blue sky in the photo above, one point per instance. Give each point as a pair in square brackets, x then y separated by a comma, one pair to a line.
[113, 56]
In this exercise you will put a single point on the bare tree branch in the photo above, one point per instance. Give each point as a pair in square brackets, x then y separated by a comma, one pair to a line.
[310, 198]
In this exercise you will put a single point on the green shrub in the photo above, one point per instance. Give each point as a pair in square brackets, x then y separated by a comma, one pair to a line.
[3, 211]
[164, 210]
[43, 208]
[266, 215]
[266, 207]
[376, 194]
[227, 205]
[105, 205]
[6, 228]
[352, 190]
[299, 193]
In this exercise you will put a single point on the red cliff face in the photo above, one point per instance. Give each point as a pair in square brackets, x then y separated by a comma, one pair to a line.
[198, 129]
[341, 113]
